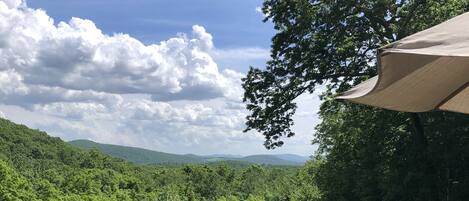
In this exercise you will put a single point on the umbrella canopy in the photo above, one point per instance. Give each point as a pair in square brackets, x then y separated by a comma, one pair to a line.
[422, 72]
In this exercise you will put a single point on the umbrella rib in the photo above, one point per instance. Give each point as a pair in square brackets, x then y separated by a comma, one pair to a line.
[454, 93]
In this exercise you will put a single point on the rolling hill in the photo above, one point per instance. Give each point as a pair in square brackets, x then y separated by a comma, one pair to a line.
[145, 156]
[35, 166]
[138, 155]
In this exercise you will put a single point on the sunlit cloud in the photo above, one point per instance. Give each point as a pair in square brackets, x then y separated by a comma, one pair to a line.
[75, 81]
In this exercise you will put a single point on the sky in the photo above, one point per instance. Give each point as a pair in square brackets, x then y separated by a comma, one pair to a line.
[155, 74]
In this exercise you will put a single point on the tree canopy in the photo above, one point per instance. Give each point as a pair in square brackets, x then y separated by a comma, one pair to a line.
[328, 43]
[366, 153]
[35, 166]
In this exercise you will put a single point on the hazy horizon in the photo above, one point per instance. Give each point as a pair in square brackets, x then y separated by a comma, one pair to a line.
[212, 154]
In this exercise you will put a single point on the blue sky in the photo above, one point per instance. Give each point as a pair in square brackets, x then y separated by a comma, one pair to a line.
[162, 75]
[235, 24]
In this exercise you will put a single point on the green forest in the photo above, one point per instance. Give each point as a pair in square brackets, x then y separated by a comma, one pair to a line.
[35, 166]
[364, 153]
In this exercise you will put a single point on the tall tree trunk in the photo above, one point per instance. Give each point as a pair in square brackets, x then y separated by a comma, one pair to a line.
[419, 133]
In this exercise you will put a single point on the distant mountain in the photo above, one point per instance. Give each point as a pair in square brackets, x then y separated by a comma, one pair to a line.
[293, 157]
[138, 155]
[223, 156]
[145, 156]
[268, 159]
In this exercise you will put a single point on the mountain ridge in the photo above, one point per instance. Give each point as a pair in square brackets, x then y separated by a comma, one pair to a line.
[152, 157]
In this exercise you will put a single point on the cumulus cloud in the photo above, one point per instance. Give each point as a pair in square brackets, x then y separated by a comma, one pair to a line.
[72, 70]
[194, 114]
[74, 81]
[14, 91]
[74, 110]
[13, 3]
[76, 55]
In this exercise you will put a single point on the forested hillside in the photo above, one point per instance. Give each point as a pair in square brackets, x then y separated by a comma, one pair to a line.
[35, 166]
[137, 155]
[147, 157]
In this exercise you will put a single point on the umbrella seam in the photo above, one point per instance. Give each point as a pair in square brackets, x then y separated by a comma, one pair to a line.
[454, 93]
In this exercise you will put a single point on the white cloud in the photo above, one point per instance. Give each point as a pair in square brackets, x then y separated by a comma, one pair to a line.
[13, 3]
[73, 110]
[260, 11]
[242, 53]
[14, 91]
[74, 81]
[241, 58]
[74, 71]
[78, 56]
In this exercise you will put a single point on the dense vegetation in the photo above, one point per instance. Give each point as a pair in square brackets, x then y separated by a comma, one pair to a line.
[149, 157]
[34, 166]
[364, 153]
[367, 153]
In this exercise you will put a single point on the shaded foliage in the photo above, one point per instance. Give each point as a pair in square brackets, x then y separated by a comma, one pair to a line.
[365, 153]
[328, 42]
[372, 154]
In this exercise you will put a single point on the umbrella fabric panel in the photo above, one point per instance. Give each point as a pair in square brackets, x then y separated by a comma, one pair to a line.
[422, 89]
[360, 90]
[450, 38]
[394, 67]
[423, 72]
[459, 102]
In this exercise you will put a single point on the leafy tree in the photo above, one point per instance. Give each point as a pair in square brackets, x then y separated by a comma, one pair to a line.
[14, 187]
[170, 193]
[206, 182]
[306, 181]
[255, 198]
[367, 153]
[45, 190]
[229, 198]
[330, 43]
[252, 181]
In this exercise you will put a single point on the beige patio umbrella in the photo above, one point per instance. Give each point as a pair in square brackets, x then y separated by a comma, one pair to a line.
[423, 72]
